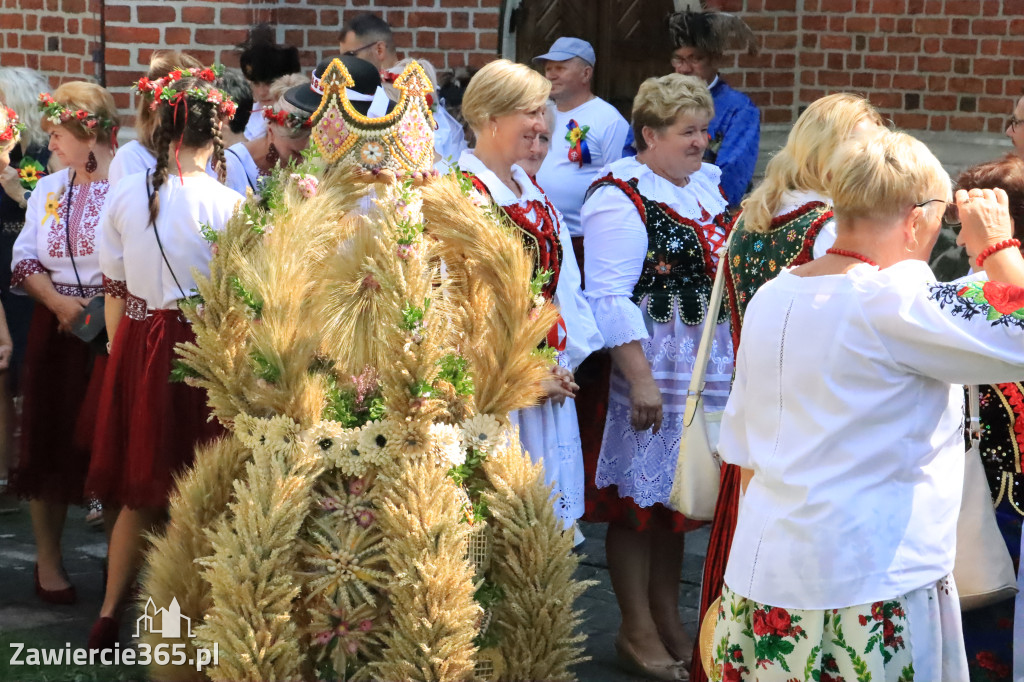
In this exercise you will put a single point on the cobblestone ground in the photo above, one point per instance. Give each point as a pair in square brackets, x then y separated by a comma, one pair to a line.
[24, 619]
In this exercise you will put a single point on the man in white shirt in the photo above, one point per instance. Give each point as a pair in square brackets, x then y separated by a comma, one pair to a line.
[369, 37]
[589, 132]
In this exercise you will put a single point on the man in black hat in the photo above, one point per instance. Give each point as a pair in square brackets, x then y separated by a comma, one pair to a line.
[263, 61]
[366, 95]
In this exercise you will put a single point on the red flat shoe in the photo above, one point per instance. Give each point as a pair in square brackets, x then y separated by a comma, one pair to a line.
[103, 634]
[64, 597]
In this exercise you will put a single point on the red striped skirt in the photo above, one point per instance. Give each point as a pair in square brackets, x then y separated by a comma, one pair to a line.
[148, 426]
[61, 384]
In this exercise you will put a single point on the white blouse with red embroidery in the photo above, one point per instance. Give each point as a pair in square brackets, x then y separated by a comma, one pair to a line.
[42, 246]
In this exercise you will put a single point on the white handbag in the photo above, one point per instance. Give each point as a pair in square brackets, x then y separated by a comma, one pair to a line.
[983, 571]
[698, 467]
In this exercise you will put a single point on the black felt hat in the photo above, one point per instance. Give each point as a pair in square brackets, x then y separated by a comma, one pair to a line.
[262, 60]
[364, 74]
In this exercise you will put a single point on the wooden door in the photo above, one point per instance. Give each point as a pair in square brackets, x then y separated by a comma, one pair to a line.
[630, 38]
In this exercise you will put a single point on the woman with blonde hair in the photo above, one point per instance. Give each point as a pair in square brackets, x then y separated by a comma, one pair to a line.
[504, 104]
[652, 228]
[139, 155]
[56, 262]
[786, 221]
[844, 547]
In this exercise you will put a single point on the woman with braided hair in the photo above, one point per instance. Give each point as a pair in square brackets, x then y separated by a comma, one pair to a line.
[152, 241]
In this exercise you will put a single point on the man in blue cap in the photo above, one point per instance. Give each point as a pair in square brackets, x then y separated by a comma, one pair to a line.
[589, 132]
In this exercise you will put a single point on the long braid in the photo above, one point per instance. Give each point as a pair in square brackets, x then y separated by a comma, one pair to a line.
[162, 140]
[219, 162]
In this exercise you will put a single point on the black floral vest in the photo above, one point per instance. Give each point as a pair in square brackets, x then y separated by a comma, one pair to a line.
[678, 269]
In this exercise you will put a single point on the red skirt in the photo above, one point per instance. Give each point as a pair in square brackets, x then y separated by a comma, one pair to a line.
[148, 426]
[61, 384]
[604, 505]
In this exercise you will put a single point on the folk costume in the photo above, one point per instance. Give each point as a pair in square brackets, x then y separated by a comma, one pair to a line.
[651, 256]
[802, 229]
[32, 165]
[989, 631]
[549, 432]
[59, 240]
[149, 426]
[827, 549]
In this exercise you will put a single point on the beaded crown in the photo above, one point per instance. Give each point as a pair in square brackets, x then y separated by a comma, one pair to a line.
[402, 140]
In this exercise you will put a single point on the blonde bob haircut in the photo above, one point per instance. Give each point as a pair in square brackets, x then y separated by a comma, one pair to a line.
[92, 98]
[502, 88]
[661, 101]
[801, 164]
[882, 176]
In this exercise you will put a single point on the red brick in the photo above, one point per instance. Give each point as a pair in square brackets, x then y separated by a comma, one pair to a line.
[72, 6]
[131, 35]
[487, 20]
[967, 7]
[118, 13]
[992, 27]
[177, 36]
[431, 19]
[295, 15]
[816, 22]
[487, 41]
[786, 60]
[937, 64]
[780, 41]
[780, 5]
[932, 25]
[53, 62]
[199, 15]
[219, 36]
[960, 45]
[994, 125]
[117, 57]
[33, 42]
[787, 23]
[991, 67]
[840, 79]
[1012, 48]
[834, 61]
[156, 14]
[910, 121]
[863, 79]
[879, 62]
[777, 116]
[51, 24]
[937, 83]
[229, 16]
[903, 44]
[906, 81]
[889, 6]
[72, 46]
[833, 42]
[940, 102]
[459, 20]
[456, 41]
[12, 20]
[861, 24]
[992, 105]
[426, 39]
[836, 24]
[968, 124]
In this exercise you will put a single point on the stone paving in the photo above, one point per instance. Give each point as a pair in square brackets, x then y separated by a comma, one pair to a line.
[25, 619]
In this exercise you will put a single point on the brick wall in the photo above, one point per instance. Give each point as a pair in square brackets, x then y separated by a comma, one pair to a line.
[938, 65]
[62, 38]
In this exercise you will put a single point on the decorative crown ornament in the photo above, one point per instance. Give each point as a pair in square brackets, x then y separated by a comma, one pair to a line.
[402, 140]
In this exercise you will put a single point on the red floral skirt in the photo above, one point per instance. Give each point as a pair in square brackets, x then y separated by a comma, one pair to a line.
[604, 505]
[61, 386]
[148, 426]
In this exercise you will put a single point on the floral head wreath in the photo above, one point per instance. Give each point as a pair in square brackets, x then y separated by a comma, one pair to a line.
[287, 119]
[58, 113]
[12, 129]
[162, 90]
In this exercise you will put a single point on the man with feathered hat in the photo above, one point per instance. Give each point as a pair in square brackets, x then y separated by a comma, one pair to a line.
[701, 39]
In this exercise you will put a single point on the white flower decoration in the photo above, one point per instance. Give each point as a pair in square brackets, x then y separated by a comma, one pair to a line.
[482, 432]
[447, 443]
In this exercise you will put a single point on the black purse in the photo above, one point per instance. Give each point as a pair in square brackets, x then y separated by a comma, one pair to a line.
[91, 325]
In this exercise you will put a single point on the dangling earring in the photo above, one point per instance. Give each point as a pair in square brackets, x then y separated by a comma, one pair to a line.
[273, 156]
[91, 165]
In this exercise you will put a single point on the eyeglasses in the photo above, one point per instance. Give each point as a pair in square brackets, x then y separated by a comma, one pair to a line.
[355, 52]
[951, 218]
[1013, 122]
[692, 60]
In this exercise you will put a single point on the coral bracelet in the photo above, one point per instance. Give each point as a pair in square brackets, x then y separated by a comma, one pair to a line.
[1005, 244]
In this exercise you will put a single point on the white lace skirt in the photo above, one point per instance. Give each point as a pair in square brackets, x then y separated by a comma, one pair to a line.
[551, 434]
[642, 464]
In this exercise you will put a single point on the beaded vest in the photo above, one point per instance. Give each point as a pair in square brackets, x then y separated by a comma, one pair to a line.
[756, 257]
[678, 270]
[1002, 439]
[538, 225]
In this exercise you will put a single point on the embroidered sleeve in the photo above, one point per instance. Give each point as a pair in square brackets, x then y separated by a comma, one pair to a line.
[965, 332]
[115, 287]
[997, 303]
[24, 269]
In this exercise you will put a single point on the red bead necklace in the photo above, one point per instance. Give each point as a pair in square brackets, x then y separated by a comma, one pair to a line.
[852, 254]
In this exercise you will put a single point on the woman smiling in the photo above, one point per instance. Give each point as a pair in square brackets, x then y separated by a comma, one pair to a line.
[652, 227]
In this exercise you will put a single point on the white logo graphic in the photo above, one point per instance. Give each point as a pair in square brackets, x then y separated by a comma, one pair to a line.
[170, 621]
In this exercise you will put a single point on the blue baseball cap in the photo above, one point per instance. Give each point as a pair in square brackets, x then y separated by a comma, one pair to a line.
[567, 48]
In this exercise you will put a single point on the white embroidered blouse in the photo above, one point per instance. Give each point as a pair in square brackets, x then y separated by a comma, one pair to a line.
[42, 245]
[582, 335]
[848, 406]
[616, 241]
[129, 255]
